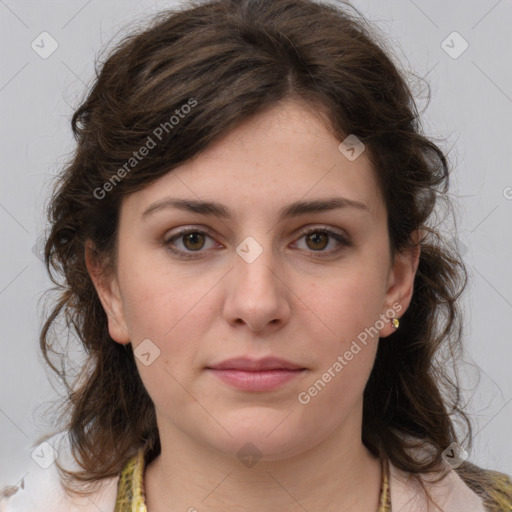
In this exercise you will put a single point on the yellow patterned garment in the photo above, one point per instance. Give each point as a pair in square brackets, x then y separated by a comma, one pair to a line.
[130, 495]
[493, 487]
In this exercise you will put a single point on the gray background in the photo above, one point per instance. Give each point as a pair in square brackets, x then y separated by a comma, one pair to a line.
[470, 111]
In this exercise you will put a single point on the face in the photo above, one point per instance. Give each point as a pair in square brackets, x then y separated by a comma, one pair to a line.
[313, 284]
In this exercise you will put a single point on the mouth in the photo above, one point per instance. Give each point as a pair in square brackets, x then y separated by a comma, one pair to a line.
[263, 380]
[256, 365]
[256, 375]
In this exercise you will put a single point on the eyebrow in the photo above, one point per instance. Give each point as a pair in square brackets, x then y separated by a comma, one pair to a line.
[213, 208]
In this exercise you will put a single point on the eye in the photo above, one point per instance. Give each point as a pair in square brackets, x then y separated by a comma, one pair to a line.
[318, 239]
[188, 241]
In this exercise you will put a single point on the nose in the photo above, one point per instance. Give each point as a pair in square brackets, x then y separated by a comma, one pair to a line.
[256, 296]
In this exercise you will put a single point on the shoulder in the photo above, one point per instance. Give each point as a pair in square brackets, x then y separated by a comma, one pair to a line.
[449, 494]
[494, 487]
[467, 488]
[41, 490]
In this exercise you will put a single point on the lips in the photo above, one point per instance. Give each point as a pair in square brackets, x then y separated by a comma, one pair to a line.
[256, 365]
[256, 375]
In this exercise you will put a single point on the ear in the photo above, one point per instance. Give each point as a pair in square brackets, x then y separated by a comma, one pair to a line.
[109, 294]
[401, 282]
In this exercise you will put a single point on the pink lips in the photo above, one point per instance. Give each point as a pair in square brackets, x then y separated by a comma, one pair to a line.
[256, 375]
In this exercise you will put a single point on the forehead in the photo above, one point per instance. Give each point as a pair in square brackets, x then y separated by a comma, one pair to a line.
[277, 157]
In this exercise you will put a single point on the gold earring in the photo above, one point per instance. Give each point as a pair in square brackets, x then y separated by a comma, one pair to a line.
[395, 323]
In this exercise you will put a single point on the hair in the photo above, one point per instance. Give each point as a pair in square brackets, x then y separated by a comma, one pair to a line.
[228, 60]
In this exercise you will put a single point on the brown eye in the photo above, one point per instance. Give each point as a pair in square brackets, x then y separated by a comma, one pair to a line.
[193, 241]
[317, 241]
[322, 242]
[189, 243]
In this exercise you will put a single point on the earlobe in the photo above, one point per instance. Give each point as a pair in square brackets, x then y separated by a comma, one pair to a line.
[401, 282]
[108, 292]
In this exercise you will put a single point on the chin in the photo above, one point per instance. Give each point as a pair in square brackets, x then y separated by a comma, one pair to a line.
[265, 441]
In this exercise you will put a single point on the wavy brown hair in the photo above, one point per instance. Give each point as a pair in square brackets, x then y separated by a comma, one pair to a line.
[232, 59]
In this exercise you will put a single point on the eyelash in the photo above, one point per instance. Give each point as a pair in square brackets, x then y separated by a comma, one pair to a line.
[197, 254]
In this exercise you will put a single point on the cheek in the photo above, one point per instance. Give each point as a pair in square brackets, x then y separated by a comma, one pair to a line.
[336, 391]
[173, 312]
[176, 324]
[345, 346]
[349, 303]
[156, 302]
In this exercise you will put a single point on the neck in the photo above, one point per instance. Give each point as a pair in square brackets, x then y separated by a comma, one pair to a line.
[336, 474]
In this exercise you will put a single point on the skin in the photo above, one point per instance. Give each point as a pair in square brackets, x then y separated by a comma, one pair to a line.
[290, 302]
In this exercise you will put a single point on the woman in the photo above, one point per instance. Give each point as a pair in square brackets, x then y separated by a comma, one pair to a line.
[249, 260]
